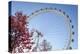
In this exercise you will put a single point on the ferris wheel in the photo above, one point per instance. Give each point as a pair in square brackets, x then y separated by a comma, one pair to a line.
[68, 22]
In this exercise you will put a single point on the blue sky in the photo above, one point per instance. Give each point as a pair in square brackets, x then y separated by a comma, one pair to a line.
[52, 25]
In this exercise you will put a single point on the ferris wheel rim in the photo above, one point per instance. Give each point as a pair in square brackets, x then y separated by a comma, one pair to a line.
[58, 11]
